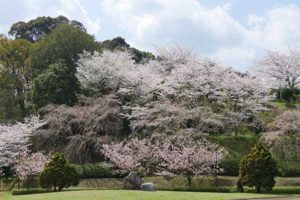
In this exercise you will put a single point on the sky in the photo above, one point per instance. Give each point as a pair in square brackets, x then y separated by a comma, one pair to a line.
[235, 33]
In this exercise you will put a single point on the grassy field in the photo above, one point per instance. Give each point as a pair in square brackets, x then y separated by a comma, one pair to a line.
[133, 195]
[236, 146]
[171, 183]
[179, 183]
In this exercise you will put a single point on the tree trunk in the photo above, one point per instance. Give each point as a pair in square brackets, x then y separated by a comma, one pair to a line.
[22, 108]
[21, 102]
[239, 186]
[189, 179]
[216, 180]
[257, 189]
[235, 131]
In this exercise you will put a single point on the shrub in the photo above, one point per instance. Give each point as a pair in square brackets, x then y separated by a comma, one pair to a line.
[96, 170]
[28, 191]
[59, 174]
[289, 169]
[230, 166]
[288, 94]
[258, 168]
[30, 182]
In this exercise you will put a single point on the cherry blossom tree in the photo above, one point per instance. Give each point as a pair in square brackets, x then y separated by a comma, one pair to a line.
[242, 96]
[30, 164]
[188, 156]
[283, 136]
[178, 79]
[181, 155]
[134, 155]
[104, 71]
[14, 139]
[175, 71]
[116, 71]
[281, 68]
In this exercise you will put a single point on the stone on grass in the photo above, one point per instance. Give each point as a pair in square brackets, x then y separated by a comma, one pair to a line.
[148, 187]
[132, 182]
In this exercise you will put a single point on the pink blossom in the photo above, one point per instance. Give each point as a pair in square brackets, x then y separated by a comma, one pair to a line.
[30, 164]
[14, 139]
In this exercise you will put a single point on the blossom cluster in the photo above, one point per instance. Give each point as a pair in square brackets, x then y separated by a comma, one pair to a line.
[14, 139]
[180, 154]
[30, 164]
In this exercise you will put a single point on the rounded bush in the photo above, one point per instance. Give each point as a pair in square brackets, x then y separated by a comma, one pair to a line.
[59, 174]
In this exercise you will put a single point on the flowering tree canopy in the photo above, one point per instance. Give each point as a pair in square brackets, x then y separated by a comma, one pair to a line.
[14, 139]
[182, 155]
[135, 155]
[178, 79]
[188, 156]
[281, 68]
[30, 164]
[282, 136]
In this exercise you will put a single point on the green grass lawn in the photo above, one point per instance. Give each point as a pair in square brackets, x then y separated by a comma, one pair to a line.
[236, 145]
[133, 195]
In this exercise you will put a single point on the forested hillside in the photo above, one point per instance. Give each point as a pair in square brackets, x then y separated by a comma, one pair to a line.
[63, 91]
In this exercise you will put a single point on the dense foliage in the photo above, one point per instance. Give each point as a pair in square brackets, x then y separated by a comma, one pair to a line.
[57, 85]
[36, 29]
[15, 77]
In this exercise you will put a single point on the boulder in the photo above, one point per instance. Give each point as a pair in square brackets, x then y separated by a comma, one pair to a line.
[132, 182]
[148, 187]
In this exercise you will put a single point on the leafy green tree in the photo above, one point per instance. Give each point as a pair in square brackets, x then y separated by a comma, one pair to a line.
[56, 85]
[258, 169]
[36, 29]
[8, 106]
[119, 43]
[59, 174]
[64, 43]
[15, 72]
[59, 49]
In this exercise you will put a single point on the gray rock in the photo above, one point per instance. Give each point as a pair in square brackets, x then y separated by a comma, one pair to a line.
[132, 182]
[148, 187]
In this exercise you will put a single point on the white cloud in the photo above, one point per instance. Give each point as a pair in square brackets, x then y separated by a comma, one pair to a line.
[278, 29]
[235, 57]
[171, 20]
[210, 31]
[72, 9]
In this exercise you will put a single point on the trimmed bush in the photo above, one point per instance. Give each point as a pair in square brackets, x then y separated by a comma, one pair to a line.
[59, 174]
[30, 182]
[230, 166]
[289, 169]
[96, 170]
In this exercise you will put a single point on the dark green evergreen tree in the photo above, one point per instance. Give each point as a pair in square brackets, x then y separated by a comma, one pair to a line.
[258, 169]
